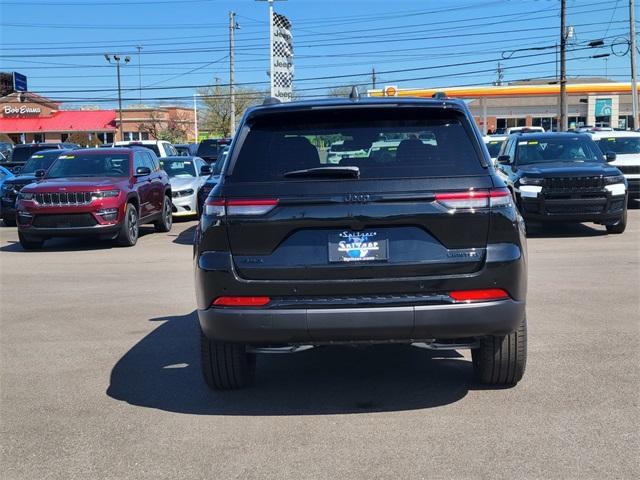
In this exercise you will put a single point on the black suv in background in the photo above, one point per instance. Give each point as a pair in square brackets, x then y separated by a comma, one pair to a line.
[22, 152]
[41, 160]
[564, 177]
[209, 150]
[421, 246]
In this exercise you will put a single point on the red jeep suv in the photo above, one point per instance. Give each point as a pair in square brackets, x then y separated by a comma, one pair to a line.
[101, 192]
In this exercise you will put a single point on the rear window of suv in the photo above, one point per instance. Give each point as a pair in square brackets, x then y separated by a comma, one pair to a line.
[22, 154]
[382, 143]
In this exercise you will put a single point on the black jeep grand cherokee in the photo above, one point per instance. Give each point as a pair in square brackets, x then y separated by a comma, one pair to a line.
[564, 177]
[420, 246]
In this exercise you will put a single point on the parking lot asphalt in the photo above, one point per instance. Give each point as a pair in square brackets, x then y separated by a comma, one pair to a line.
[100, 377]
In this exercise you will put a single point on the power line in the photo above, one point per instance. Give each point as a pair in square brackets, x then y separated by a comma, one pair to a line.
[298, 45]
[333, 34]
[365, 75]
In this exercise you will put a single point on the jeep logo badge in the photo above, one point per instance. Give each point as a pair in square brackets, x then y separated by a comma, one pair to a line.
[357, 198]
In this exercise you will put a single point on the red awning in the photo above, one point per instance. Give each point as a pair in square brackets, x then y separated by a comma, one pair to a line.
[62, 121]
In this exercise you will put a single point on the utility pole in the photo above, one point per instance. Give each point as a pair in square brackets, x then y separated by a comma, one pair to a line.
[634, 73]
[373, 77]
[232, 94]
[564, 122]
[116, 59]
[139, 47]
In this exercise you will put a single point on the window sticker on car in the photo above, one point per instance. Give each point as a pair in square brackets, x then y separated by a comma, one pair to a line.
[37, 156]
[67, 157]
[532, 142]
[522, 143]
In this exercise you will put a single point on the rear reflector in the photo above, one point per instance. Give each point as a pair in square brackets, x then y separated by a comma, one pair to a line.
[484, 295]
[218, 207]
[470, 199]
[241, 301]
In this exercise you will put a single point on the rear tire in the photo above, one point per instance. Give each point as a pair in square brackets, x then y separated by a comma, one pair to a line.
[130, 227]
[9, 222]
[163, 224]
[30, 243]
[225, 366]
[501, 360]
[620, 226]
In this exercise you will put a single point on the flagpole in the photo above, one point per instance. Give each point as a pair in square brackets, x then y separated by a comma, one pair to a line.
[271, 47]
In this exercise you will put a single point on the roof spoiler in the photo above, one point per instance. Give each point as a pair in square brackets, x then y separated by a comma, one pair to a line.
[439, 96]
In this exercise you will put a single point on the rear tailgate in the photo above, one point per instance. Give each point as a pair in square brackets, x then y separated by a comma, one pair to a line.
[393, 220]
[402, 231]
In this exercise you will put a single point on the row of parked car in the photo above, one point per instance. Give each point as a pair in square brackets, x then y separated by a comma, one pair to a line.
[61, 189]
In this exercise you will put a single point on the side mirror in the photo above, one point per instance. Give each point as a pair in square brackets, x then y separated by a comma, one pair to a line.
[40, 173]
[143, 171]
[504, 159]
[610, 156]
[205, 170]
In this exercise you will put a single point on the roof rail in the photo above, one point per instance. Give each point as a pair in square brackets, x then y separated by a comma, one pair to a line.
[271, 101]
[439, 95]
[355, 94]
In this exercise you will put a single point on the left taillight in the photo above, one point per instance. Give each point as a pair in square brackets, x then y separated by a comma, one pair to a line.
[214, 207]
[239, 207]
[470, 199]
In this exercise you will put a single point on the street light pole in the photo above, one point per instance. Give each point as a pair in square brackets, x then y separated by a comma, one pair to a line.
[272, 90]
[116, 59]
[634, 79]
[195, 116]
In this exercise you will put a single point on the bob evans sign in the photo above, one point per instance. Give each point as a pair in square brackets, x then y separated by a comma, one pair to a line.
[9, 110]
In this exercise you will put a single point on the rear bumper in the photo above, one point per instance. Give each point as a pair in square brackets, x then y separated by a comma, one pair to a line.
[378, 324]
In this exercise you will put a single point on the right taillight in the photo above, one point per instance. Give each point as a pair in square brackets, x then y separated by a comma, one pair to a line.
[472, 199]
[235, 207]
[483, 295]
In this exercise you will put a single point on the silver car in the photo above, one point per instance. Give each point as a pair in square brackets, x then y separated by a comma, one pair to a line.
[187, 175]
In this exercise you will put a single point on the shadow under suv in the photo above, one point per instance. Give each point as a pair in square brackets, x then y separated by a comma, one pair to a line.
[423, 246]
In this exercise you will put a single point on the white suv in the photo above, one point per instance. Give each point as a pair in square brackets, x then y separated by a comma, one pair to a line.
[626, 146]
[161, 147]
[511, 130]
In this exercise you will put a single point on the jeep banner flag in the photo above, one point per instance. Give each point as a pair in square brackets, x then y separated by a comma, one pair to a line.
[281, 58]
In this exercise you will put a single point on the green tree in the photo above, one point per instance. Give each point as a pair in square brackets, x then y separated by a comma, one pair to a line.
[216, 115]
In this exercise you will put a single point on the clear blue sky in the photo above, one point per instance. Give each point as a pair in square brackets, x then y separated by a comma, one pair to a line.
[331, 38]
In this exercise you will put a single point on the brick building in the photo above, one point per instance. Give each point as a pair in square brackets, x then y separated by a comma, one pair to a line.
[28, 117]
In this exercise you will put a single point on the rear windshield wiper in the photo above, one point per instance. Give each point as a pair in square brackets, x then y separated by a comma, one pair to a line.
[346, 172]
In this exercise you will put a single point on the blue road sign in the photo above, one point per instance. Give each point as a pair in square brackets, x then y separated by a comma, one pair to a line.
[19, 82]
